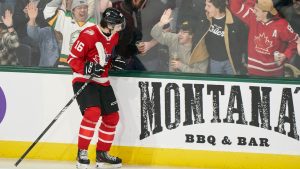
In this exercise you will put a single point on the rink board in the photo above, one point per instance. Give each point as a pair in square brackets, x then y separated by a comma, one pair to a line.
[157, 124]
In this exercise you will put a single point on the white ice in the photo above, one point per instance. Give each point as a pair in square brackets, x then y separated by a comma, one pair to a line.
[38, 164]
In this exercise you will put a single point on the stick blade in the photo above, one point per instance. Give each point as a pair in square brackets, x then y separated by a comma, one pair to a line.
[101, 53]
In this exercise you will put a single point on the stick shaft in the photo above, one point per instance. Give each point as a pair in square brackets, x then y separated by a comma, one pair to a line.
[53, 121]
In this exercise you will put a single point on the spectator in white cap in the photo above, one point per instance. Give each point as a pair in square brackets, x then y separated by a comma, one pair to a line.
[271, 40]
[69, 23]
[79, 10]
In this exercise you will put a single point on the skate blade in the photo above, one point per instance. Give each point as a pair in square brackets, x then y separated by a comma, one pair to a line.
[81, 166]
[107, 165]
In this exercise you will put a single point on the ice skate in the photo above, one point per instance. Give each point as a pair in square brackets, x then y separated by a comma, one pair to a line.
[104, 160]
[82, 159]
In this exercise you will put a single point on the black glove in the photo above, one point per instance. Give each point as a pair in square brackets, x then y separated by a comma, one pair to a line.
[93, 69]
[118, 63]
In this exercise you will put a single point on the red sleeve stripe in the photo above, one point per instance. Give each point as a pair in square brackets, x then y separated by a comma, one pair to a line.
[247, 13]
[74, 56]
[242, 8]
[69, 60]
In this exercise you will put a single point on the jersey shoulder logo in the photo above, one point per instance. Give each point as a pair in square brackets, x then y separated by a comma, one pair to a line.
[89, 32]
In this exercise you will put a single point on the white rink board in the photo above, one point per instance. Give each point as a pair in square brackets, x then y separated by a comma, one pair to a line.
[33, 100]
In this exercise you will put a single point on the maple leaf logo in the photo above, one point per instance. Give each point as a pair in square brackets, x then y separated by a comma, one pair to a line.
[262, 44]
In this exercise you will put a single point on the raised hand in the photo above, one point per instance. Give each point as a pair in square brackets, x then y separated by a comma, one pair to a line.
[32, 11]
[166, 17]
[7, 18]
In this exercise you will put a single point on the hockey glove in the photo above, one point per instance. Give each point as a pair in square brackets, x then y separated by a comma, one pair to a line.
[93, 69]
[118, 63]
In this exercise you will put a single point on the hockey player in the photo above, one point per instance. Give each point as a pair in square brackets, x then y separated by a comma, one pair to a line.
[92, 55]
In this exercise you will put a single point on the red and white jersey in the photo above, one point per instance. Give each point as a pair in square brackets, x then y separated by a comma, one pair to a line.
[84, 49]
[264, 39]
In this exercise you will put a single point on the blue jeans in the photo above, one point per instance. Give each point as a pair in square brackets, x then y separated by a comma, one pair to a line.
[220, 67]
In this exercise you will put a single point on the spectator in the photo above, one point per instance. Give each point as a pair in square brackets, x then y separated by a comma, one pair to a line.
[157, 58]
[268, 33]
[8, 38]
[44, 37]
[132, 33]
[227, 34]
[180, 45]
[194, 10]
[68, 23]
[20, 18]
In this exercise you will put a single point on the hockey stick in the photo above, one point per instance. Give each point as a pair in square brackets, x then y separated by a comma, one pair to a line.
[53, 121]
[101, 53]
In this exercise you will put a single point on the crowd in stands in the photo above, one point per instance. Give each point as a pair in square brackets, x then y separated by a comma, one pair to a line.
[228, 37]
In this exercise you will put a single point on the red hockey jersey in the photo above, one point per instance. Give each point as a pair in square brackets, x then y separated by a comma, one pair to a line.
[264, 39]
[84, 49]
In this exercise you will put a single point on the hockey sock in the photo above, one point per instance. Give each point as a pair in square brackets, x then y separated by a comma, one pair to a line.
[87, 127]
[106, 132]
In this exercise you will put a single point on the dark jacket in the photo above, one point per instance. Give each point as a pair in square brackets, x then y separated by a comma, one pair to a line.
[131, 34]
[235, 41]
